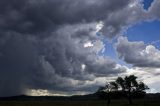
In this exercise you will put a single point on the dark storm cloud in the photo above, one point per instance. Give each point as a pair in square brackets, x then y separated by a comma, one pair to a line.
[18, 60]
[117, 22]
[34, 16]
[42, 42]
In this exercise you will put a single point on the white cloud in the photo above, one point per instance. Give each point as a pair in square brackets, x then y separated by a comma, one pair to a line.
[83, 67]
[88, 44]
[137, 53]
[145, 60]
[150, 76]
[99, 26]
[43, 92]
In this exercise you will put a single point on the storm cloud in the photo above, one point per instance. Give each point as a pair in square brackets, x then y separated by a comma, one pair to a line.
[42, 43]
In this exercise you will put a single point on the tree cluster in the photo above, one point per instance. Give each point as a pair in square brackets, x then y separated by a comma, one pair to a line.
[127, 87]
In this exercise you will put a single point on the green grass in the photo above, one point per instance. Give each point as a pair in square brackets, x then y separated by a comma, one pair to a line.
[79, 103]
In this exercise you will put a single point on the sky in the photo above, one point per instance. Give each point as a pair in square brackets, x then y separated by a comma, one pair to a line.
[72, 47]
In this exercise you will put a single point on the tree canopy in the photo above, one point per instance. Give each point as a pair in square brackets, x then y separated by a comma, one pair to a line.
[128, 87]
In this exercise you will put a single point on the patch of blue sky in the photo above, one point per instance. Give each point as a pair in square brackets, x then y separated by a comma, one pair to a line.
[110, 52]
[148, 32]
[147, 4]
[109, 46]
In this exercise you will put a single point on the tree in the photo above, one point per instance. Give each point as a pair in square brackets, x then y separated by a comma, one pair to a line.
[130, 86]
[120, 83]
[111, 87]
[142, 87]
[105, 92]
[102, 93]
[127, 86]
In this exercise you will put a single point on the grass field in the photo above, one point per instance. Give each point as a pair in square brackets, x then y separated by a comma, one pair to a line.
[79, 103]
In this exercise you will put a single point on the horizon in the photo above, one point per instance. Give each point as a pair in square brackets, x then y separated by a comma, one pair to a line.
[54, 95]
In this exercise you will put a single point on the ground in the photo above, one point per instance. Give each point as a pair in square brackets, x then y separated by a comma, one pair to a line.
[80, 103]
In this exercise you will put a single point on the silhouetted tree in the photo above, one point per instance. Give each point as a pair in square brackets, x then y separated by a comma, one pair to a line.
[131, 87]
[127, 86]
[113, 86]
[142, 86]
[102, 93]
[130, 83]
[120, 83]
[105, 92]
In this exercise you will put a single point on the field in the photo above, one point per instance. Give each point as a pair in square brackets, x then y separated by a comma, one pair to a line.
[80, 103]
